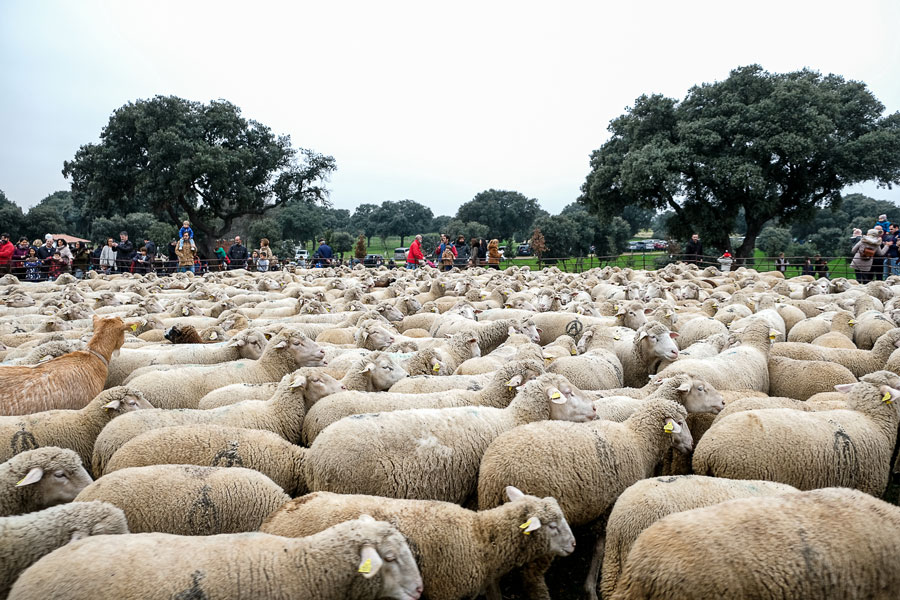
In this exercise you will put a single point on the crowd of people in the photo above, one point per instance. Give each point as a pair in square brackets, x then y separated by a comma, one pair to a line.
[477, 253]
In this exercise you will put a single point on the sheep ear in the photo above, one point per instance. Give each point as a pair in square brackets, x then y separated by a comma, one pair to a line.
[685, 387]
[889, 394]
[532, 524]
[514, 493]
[214, 335]
[298, 381]
[268, 336]
[555, 396]
[236, 343]
[281, 344]
[368, 367]
[113, 405]
[511, 330]
[130, 327]
[33, 476]
[641, 335]
[672, 334]
[473, 341]
[363, 335]
[671, 426]
[844, 388]
[369, 562]
[514, 381]
[435, 365]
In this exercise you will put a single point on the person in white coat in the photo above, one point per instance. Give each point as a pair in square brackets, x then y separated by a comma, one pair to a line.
[108, 257]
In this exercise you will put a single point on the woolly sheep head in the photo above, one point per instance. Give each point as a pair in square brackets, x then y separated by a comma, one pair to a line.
[566, 402]
[389, 312]
[252, 343]
[304, 351]
[469, 340]
[382, 370]
[543, 521]
[46, 476]
[315, 386]
[527, 327]
[657, 341]
[632, 315]
[697, 395]
[122, 399]
[384, 551]
[374, 337]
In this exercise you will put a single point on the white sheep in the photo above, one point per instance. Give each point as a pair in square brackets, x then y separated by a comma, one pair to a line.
[430, 453]
[36, 479]
[361, 559]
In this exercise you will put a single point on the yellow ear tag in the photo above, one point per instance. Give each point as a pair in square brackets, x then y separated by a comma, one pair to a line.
[436, 368]
[134, 327]
[574, 352]
[524, 526]
[771, 337]
[366, 567]
[668, 428]
[554, 396]
[617, 337]
[185, 311]
[886, 398]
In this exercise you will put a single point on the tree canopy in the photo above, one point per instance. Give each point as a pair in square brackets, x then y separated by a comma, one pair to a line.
[176, 158]
[774, 145]
[505, 213]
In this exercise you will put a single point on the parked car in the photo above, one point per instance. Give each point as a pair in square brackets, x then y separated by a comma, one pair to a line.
[301, 253]
[635, 246]
[660, 245]
[524, 250]
[373, 260]
[400, 254]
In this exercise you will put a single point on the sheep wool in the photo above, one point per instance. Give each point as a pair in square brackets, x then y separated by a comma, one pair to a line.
[680, 556]
[26, 538]
[193, 501]
[649, 500]
[361, 559]
[429, 454]
[452, 565]
[37, 479]
[217, 446]
[849, 448]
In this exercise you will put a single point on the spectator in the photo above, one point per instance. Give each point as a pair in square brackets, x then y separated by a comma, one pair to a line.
[254, 258]
[186, 253]
[237, 253]
[462, 251]
[142, 261]
[186, 226]
[890, 240]
[414, 257]
[781, 263]
[693, 251]
[124, 250]
[46, 250]
[264, 253]
[493, 257]
[56, 264]
[821, 266]
[18, 257]
[864, 253]
[391, 264]
[482, 251]
[108, 256]
[80, 259]
[446, 252]
[883, 223]
[808, 268]
[725, 262]
[325, 253]
[33, 265]
[6, 252]
[63, 248]
[95, 256]
[878, 262]
[152, 250]
[222, 258]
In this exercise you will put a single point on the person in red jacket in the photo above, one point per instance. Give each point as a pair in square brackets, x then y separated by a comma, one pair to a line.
[6, 251]
[415, 257]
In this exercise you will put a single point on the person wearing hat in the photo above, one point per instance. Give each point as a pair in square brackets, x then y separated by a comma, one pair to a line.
[864, 252]
[883, 223]
[725, 262]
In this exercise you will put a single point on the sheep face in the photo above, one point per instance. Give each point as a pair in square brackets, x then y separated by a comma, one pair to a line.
[320, 385]
[389, 312]
[527, 327]
[658, 344]
[700, 397]
[544, 522]
[305, 352]
[633, 315]
[375, 337]
[567, 403]
[387, 553]
[682, 441]
[52, 486]
[383, 372]
[251, 343]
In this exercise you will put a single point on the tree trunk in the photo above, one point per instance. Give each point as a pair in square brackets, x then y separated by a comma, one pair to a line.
[402, 237]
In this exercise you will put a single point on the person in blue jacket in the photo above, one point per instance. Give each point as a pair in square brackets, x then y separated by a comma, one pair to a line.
[325, 252]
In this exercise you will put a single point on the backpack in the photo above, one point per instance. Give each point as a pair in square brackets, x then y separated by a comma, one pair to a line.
[867, 252]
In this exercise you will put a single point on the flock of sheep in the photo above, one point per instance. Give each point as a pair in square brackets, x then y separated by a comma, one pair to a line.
[352, 433]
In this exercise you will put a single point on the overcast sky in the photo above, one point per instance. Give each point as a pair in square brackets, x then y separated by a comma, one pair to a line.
[429, 101]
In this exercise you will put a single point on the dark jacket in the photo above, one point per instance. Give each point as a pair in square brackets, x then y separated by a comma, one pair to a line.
[891, 249]
[151, 249]
[694, 250]
[325, 251]
[171, 251]
[238, 255]
[125, 251]
[44, 252]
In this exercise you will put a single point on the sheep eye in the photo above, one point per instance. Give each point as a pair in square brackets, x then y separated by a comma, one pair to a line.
[390, 557]
[552, 525]
[60, 474]
[700, 388]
